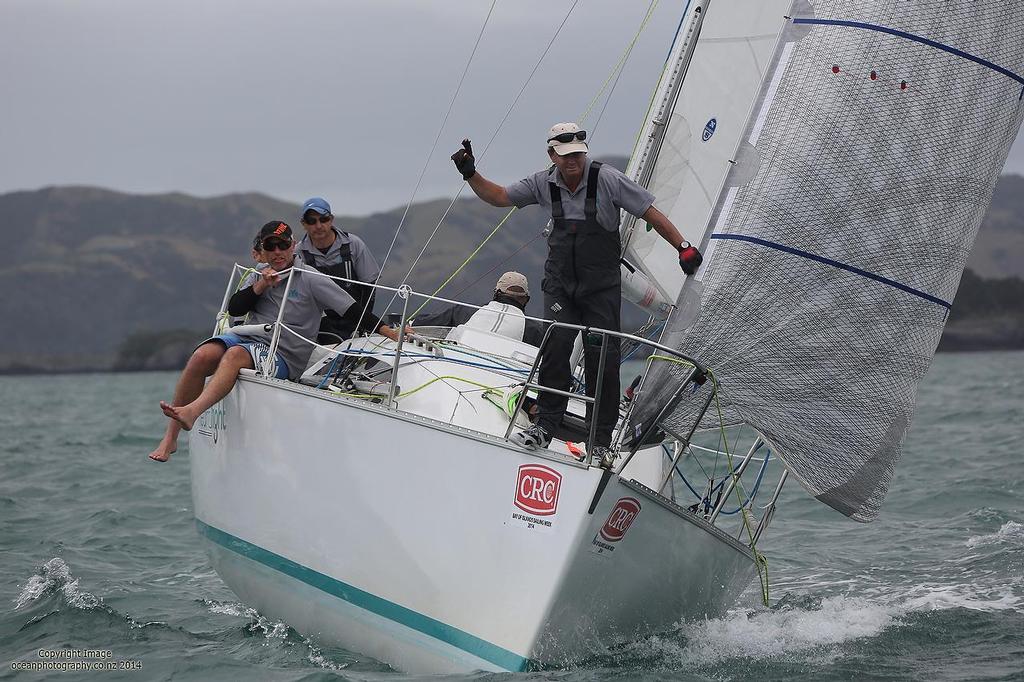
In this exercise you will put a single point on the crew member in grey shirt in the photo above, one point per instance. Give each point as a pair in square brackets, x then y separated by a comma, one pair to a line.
[261, 296]
[341, 254]
[581, 275]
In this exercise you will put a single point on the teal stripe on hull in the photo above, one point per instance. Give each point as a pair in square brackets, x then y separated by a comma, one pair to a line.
[459, 639]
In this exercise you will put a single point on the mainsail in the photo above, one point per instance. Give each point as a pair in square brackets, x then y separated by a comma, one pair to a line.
[879, 132]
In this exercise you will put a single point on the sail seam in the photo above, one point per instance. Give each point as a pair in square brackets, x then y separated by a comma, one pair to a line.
[916, 38]
[834, 263]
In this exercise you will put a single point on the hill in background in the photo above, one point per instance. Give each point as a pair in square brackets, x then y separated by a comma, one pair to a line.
[92, 267]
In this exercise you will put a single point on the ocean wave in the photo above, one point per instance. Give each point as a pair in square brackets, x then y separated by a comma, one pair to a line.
[55, 576]
[937, 597]
[1011, 533]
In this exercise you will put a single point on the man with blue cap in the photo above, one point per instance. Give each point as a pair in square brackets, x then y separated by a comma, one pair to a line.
[341, 254]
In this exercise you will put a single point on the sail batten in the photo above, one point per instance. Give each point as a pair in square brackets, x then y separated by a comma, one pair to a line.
[872, 153]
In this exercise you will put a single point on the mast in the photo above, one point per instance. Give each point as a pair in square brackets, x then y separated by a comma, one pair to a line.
[641, 164]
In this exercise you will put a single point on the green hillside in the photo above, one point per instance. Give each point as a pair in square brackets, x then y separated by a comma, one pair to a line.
[96, 272]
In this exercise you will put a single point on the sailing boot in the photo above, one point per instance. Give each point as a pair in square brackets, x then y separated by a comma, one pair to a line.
[534, 438]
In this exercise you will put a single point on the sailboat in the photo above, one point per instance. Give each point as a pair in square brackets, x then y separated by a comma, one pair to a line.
[840, 157]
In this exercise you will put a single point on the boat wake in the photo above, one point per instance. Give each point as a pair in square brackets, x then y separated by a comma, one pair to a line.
[793, 626]
[277, 633]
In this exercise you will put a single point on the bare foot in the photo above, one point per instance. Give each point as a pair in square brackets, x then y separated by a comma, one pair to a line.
[179, 414]
[163, 452]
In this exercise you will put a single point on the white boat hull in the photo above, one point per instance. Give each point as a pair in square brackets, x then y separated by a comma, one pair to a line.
[451, 554]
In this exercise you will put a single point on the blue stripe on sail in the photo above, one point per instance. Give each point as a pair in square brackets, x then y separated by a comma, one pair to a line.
[459, 639]
[833, 263]
[916, 39]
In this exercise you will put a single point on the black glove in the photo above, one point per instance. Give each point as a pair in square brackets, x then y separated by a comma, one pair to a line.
[689, 258]
[464, 160]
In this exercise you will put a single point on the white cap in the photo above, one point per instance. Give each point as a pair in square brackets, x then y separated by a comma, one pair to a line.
[571, 147]
[513, 283]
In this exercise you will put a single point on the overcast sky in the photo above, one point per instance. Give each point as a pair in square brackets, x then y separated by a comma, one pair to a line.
[331, 97]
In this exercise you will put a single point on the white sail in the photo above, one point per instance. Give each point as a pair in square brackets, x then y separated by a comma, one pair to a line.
[723, 50]
[830, 272]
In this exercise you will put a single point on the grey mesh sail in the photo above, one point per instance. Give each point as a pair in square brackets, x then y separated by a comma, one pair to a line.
[880, 132]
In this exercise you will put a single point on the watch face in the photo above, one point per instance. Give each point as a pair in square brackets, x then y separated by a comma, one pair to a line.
[684, 245]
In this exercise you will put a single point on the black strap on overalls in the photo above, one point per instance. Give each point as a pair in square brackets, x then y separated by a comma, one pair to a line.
[342, 269]
[589, 207]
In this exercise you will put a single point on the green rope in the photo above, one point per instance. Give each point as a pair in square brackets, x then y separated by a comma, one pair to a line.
[465, 262]
[618, 65]
[622, 61]
[760, 561]
[222, 322]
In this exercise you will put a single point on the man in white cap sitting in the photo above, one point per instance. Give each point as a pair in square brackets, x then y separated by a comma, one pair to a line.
[581, 275]
[503, 315]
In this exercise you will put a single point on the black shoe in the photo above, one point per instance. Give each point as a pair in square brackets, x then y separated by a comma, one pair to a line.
[605, 456]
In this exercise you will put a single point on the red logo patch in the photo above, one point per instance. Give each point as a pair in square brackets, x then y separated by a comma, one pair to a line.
[537, 489]
[621, 518]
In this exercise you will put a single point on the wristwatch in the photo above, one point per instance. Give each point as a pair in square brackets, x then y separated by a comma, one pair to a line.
[685, 245]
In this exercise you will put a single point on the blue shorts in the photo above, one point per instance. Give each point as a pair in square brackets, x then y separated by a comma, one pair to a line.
[258, 351]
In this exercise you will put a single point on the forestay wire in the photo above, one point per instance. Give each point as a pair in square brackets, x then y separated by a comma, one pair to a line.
[615, 74]
[487, 146]
[430, 154]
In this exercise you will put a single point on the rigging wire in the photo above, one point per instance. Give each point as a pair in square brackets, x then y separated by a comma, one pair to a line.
[617, 71]
[760, 561]
[430, 154]
[500, 264]
[487, 146]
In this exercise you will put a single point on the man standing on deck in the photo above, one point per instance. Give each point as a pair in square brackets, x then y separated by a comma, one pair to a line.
[581, 275]
[261, 297]
[341, 254]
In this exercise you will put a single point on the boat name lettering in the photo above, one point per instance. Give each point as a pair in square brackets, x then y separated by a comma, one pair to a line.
[213, 422]
[623, 514]
[537, 489]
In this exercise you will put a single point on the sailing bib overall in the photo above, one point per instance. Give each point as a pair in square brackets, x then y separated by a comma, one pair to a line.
[342, 325]
[581, 286]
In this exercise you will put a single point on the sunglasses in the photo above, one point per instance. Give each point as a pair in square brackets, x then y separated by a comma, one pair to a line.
[276, 245]
[569, 137]
[324, 219]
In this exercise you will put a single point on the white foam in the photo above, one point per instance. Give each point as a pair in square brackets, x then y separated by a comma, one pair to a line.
[936, 597]
[1011, 532]
[53, 576]
[271, 629]
[764, 635]
[229, 609]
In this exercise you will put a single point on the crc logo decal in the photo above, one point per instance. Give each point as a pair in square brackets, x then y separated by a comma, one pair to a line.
[537, 489]
[709, 129]
[621, 518]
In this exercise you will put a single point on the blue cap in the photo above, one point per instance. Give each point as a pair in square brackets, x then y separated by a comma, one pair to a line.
[318, 204]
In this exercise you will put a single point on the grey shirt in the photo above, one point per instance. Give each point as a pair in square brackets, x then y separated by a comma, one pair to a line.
[308, 297]
[614, 191]
[364, 265]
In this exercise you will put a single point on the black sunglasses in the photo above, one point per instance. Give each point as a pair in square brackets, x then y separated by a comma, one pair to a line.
[324, 219]
[569, 137]
[276, 245]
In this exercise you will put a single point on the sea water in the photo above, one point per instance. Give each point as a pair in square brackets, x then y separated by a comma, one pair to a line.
[98, 551]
